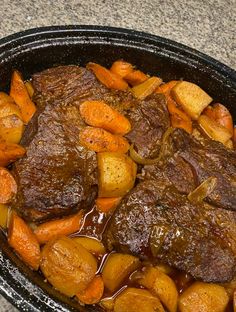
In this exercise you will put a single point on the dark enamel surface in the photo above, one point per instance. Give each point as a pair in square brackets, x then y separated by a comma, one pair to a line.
[37, 49]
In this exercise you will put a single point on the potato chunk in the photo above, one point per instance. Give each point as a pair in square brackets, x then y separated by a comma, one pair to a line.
[117, 173]
[68, 266]
[137, 300]
[11, 128]
[161, 285]
[4, 216]
[118, 267]
[8, 109]
[213, 130]
[91, 244]
[203, 297]
[191, 97]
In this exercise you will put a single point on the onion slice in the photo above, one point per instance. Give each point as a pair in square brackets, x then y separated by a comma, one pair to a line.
[203, 190]
[163, 149]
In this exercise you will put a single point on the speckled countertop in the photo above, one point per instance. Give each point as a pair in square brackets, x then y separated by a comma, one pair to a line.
[208, 26]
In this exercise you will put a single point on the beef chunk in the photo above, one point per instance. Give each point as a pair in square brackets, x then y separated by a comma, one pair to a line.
[59, 176]
[155, 219]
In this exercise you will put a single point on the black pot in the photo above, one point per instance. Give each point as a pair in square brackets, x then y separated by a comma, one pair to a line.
[34, 50]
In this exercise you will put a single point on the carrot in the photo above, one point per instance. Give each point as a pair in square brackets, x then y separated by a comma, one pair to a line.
[179, 119]
[121, 68]
[21, 97]
[135, 77]
[24, 242]
[10, 152]
[108, 78]
[65, 226]
[101, 115]
[29, 88]
[93, 293]
[105, 204]
[8, 187]
[99, 140]
[166, 87]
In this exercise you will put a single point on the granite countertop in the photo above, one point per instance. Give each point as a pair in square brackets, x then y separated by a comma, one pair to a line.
[208, 26]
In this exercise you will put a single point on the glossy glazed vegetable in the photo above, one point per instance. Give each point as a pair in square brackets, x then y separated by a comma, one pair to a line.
[121, 68]
[107, 204]
[165, 88]
[203, 190]
[213, 130]
[191, 97]
[137, 300]
[68, 266]
[146, 88]
[23, 241]
[10, 152]
[65, 226]
[99, 114]
[203, 297]
[161, 285]
[135, 77]
[91, 244]
[108, 78]
[117, 173]
[11, 128]
[21, 97]
[4, 216]
[93, 293]
[9, 108]
[118, 267]
[100, 140]
[8, 186]
[29, 88]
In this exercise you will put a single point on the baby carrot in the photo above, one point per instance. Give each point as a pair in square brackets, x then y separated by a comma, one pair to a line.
[121, 68]
[10, 152]
[99, 140]
[135, 77]
[24, 242]
[166, 87]
[107, 204]
[8, 186]
[21, 97]
[101, 115]
[64, 226]
[108, 78]
[93, 293]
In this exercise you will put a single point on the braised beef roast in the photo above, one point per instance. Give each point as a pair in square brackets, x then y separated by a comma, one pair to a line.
[59, 176]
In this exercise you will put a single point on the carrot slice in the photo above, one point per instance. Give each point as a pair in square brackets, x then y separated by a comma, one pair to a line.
[21, 97]
[166, 87]
[10, 152]
[108, 78]
[99, 140]
[179, 119]
[93, 293]
[8, 187]
[121, 68]
[101, 115]
[24, 242]
[65, 226]
[135, 77]
[107, 204]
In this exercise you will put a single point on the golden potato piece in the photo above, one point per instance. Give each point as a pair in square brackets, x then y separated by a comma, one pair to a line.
[118, 267]
[144, 89]
[5, 99]
[161, 285]
[117, 173]
[107, 303]
[137, 300]
[91, 244]
[214, 130]
[11, 128]
[4, 216]
[203, 297]
[29, 88]
[191, 97]
[9, 153]
[10, 109]
[68, 266]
